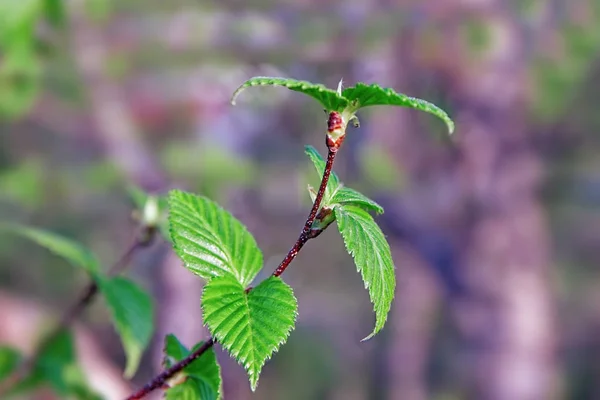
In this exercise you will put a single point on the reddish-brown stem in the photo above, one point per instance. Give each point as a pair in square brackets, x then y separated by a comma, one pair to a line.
[161, 379]
[306, 234]
[142, 239]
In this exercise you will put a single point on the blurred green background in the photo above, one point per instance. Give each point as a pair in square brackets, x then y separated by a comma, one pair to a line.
[495, 232]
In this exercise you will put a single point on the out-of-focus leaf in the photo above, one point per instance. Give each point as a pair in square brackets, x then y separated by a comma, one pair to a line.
[55, 11]
[20, 75]
[57, 366]
[9, 360]
[73, 252]
[20, 70]
[98, 10]
[132, 313]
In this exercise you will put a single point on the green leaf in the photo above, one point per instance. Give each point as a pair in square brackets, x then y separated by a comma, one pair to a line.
[9, 361]
[336, 192]
[20, 79]
[373, 95]
[71, 251]
[210, 241]
[202, 376]
[18, 20]
[371, 252]
[132, 313]
[347, 196]
[251, 326]
[319, 163]
[174, 350]
[329, 98]
[191, 389]
[57, 366]
[55, 359]
[351, 99]
[55, 11]
[20, 69]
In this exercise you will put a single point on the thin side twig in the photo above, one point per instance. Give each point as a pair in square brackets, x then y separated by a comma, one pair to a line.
[142, 239]
[161, 379]
[306, 234]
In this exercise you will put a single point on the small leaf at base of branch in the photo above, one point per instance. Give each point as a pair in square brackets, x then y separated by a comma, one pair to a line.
[202, 377]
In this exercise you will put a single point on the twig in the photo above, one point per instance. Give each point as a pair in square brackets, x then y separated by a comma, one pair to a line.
[161, 379]
[142, 239]
[306, 234]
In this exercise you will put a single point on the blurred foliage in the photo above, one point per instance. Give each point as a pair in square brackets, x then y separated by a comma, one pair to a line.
[57, 367]
[21, 68]
[9, 360]
[378, 168]
[560, 75]
[24, 183]
[208, 167]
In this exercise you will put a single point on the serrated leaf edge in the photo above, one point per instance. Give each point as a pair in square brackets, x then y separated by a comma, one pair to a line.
[254, 376]
[365, 283]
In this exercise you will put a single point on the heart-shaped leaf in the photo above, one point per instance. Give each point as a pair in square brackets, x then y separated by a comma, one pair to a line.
[210, 241]
[371, 252]
[132, 313]
[249, 325]
[330, 99]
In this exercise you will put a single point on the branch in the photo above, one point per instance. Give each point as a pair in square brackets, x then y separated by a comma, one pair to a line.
[306, 234]
[142, 239]
[161, 379]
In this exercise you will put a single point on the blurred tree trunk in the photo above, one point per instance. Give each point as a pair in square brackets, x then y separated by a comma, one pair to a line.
[176, 294]
[507, 313]
[482, 196]
[411, 326]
